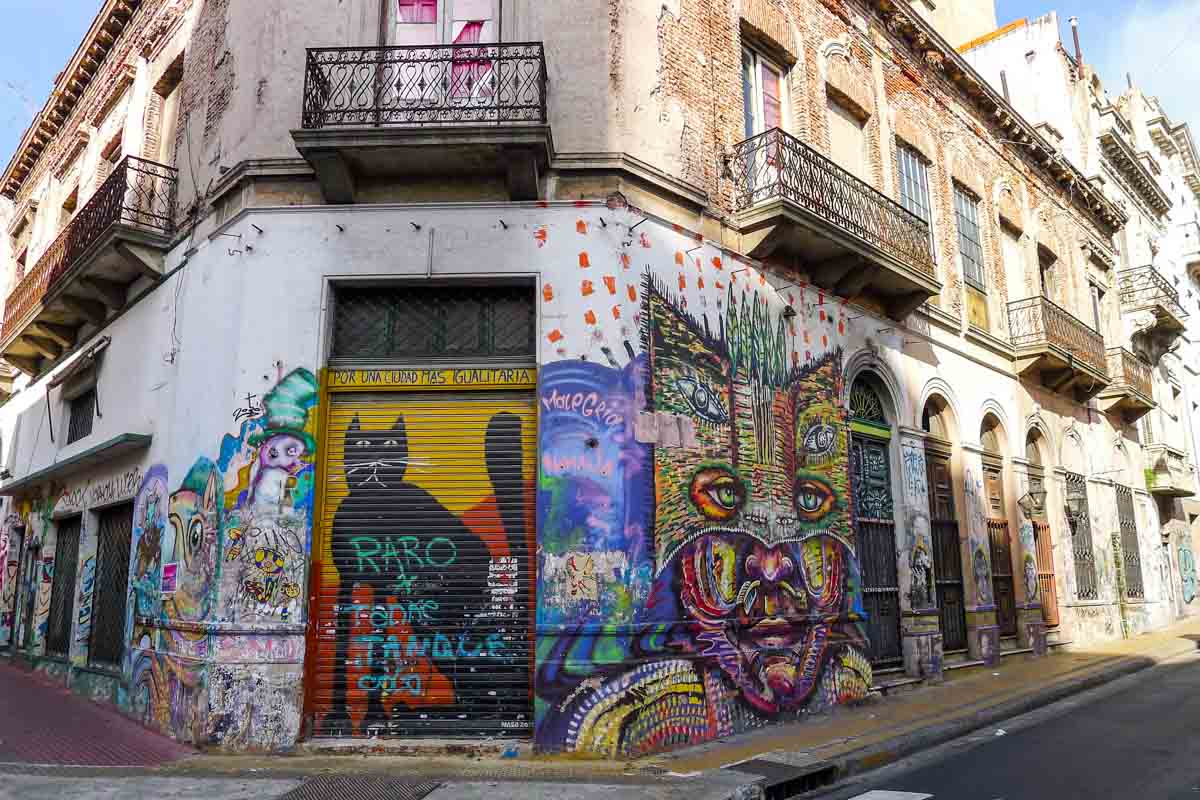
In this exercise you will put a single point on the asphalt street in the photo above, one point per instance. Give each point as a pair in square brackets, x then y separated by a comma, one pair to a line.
[1135, 740]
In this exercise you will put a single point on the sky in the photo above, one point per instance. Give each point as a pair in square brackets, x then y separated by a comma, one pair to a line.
[1157, 40]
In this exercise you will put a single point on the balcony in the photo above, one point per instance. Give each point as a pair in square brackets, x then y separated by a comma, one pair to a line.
[1153, 303]
[374, 113]
[1056, 349]
[1131, 393]
[794, 203]
[117, 242]
[1168, 471]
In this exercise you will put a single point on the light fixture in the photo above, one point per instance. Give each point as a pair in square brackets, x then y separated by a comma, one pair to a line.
[1033, 503]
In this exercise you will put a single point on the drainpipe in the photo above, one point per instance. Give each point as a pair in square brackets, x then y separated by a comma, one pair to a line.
[1075, 35]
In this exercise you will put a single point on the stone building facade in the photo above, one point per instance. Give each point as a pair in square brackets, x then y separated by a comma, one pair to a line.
[609, 378]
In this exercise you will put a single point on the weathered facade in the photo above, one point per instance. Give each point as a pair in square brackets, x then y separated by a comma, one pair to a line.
[613, 380]
[1144, 301]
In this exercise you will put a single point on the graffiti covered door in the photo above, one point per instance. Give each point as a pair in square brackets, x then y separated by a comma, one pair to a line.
[424, 612]
[999, 532]
[9, 593]
[947, 556]
[875, 528]
[62, 590]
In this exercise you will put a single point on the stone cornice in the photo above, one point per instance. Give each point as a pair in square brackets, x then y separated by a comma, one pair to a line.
[904, 23]
[69, 89]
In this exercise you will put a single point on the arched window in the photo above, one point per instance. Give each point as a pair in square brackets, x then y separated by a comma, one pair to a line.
[933, 419]
[989, 435]
[865, 404]
[1033, 449]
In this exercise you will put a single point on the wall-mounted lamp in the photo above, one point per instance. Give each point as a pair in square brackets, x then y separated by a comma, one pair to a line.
[1076, 501]
[1033, 503]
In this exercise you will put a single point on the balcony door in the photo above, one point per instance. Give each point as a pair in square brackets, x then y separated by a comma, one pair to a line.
[428, 79]
[762, 93]
[434, 22]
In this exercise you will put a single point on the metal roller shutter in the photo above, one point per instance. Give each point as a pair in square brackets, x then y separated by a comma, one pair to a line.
[424, 612]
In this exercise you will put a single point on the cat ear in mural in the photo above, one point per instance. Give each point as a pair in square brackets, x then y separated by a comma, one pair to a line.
[397, 447]
[352, 433]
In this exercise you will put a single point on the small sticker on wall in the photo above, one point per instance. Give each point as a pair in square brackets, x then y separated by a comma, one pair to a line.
[170, 571]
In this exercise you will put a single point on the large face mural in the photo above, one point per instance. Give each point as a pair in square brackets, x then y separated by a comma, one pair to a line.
[754, 610]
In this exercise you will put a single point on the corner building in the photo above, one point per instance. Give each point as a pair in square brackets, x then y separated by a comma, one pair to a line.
[612, 379]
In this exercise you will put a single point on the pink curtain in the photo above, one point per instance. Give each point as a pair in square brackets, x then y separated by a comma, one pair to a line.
[468, 72]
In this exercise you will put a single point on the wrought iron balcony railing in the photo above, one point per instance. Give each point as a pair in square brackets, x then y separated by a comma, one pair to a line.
[1127, 370]
[1036, 322]
[139, 193]
[436, 85]
[775, 164]
[1146, 287]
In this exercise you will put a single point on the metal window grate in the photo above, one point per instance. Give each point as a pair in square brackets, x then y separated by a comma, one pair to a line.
[62, 589]
[1081, 541]
[444, 322]
[83, 414]
[914, 182]
[107, 645]
[1131, 553]
[966, 212]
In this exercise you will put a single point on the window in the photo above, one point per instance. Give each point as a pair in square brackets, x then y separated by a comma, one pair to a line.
[1046, 265]
[914, 183]
[847, 138]
[762, 94]
[68, 207]
[418, 11]
[966, 212]
[1097, 307]
[107, 641]
[62, 588]
[83, 413]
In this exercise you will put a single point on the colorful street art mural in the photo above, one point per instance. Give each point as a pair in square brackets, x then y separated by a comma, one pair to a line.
[698, 575]
[1187, 568]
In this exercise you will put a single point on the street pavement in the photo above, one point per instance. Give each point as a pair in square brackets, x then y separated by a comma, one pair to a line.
[1135, 738]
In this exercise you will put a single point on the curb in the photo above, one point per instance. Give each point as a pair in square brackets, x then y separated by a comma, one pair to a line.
[872, 757]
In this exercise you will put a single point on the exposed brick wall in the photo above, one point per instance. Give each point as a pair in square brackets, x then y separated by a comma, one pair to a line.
[962, 142]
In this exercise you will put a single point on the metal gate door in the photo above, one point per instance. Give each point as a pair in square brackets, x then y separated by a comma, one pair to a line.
[947, 556]
[106, 646]
[9, 595]
[1047, 587]
[1130, 548]
[62, 589]
[1002, 576]
[875, 529]
[423, 608]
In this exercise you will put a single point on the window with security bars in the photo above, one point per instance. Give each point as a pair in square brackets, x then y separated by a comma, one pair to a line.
[62, 587]
[106, 646]
[1081, 539]
[1131, 553]
[433, 322]
[970, 242]
[83, 415]
[914, 183]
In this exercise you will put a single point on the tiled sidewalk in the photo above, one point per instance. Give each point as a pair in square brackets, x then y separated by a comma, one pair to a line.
[45, 724]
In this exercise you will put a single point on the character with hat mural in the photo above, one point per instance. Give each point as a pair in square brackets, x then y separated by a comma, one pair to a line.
[284, 443]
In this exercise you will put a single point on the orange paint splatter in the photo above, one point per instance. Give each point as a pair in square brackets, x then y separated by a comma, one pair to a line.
[633, 293]
[762, 279]
[822, 315]
[555, 336]
[716, 262]
[700, 282]
[583, 261]
[581, 227]
[548, 292]
[679, 257]
[682, 283]
[806, 337]
[841, 328]
[540, 236]
[616, 311]
[586, 288]
[625, 260]
[611, 282]
[719, 285]
[590, 317]
[824, 340]
[820, 298]
[645, 241]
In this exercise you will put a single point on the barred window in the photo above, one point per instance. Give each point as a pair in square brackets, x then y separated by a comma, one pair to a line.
[62, 587]
[83, 414]
[966, 212]
[107, 643]
[444, 322]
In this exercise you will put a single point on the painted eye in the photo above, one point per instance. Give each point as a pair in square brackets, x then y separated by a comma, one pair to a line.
[814, 499]
[363, 443]
[717, 493]
[195, 535]
[703, 401]
[391, 443]
[274, 453]
[293, 451]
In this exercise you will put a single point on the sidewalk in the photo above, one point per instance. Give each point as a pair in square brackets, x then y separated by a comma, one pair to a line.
[783, 759]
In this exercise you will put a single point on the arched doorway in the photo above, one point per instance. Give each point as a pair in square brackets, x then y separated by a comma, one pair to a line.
[991, 437]
[1046, 584]
[874, 517]
[943, 524]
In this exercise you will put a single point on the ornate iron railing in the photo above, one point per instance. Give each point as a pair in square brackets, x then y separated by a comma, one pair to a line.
[1037, 322]
[1146, 287]
[1126, 369]
[1167, 466]
[138, 193]
[435, 85]
[1130, 548]
[775, 164]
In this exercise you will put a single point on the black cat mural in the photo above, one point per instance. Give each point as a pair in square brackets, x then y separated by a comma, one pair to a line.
[428, 571]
